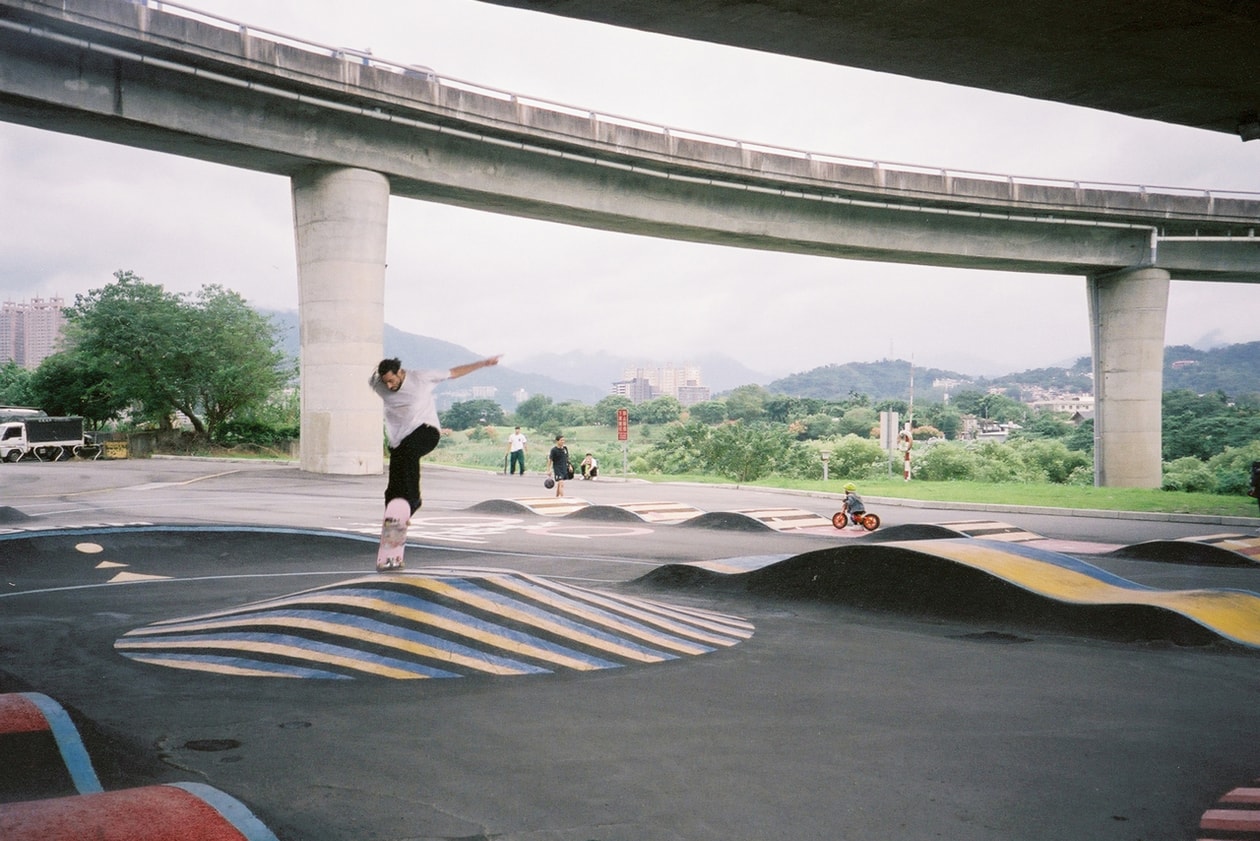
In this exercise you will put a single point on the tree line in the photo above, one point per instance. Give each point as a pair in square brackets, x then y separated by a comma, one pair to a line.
[136, 355]
[1209, 440]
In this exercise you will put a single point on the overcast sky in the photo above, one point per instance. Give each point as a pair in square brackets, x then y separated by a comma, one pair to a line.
[75, 211]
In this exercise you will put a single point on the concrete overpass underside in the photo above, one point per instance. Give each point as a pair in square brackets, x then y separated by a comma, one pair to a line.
[1188, 62]
[349, 136]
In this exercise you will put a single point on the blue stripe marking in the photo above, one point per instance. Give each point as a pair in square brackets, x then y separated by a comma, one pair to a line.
[73, 753]
[164, 658]
[598, 604]
[575, 626]
[313, 649]
[232, 810]
[417, 603]
[1064, 561]
[365, 624]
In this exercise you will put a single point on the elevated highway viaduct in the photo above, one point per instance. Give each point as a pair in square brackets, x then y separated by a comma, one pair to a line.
[349, 131]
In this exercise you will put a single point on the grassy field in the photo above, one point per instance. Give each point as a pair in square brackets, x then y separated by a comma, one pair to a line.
[457, 449]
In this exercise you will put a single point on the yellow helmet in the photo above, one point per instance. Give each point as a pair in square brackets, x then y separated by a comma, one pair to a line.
[850, 487]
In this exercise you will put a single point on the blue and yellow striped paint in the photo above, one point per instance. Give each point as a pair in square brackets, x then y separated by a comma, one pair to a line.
[448, 622]
[1233, 614]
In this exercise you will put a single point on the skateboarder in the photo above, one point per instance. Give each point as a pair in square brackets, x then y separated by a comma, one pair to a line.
[412, 429]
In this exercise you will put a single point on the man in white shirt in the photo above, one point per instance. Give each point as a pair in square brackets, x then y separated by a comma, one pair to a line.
[516, 451]
[411, 420]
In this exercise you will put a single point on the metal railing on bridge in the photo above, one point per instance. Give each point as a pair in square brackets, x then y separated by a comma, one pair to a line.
[879, 169]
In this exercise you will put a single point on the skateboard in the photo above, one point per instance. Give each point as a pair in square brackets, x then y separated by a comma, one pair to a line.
[393, 536]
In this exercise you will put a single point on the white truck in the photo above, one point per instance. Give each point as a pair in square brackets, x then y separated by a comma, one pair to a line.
[26, 432]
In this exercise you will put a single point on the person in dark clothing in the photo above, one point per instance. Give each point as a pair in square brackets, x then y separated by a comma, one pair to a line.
[558, 464]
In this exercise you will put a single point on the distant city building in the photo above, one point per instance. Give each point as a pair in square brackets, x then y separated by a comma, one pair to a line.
[648, 383]
[30, 332]
[1067, 403]
[637, 389]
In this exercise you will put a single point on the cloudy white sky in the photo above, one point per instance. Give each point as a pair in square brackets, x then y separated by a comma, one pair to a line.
[75, 211]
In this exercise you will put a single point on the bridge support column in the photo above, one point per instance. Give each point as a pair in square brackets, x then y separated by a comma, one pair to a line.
[1127, 311]
[340, 219]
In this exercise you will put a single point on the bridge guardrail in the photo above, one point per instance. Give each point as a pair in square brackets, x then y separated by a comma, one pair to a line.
[908, 182]
[879, 168]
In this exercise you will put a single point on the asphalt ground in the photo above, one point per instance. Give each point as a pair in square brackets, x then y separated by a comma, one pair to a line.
[830, 721]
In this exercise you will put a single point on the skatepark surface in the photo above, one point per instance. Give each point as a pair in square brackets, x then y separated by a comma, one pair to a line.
[636, 661]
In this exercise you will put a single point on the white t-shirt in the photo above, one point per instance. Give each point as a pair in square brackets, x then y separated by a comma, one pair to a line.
[516, 441]
[411, 405]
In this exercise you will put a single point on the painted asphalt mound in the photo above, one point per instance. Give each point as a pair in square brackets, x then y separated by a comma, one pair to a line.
[983, 581]
[1209, 550]
[434, 623]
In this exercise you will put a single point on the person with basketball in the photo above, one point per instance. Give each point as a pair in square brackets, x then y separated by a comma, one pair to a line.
[412, 429]
[558, 466]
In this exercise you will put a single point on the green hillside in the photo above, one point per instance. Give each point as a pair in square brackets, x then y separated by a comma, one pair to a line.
[1232, 369]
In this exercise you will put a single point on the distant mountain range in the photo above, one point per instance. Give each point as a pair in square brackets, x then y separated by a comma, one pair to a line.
[588, 377]
[425, 352]
[1232, 369]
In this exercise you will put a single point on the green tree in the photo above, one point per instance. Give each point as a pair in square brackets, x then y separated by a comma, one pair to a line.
[747, 403]
[71, 383]
[746, 452]
[682, 450]
[998, 408]
[710, 411]
[814, 427]
[605, 410]
[571, 413]
[949, 423]
[239, 363]
[470, 413]
[1047, 425]
[858, 421]
[664, 409]
[15, 385]
[207, 356]
[534, 411]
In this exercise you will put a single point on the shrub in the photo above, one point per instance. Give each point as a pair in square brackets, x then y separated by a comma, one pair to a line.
[1049, 460]
[945, 461]
[1188, 474]
[855, 458]
[1232, 468]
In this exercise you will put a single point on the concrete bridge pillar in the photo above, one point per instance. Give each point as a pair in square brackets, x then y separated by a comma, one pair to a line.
[340, 218]
[1127, 311]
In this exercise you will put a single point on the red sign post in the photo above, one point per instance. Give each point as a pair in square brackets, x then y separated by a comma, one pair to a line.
[623, 434]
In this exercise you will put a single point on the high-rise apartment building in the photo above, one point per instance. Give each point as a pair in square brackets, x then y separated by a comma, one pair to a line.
[642, 384]
[30, 332]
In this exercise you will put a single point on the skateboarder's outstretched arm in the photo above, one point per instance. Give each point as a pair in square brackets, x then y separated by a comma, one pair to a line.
[460, 370]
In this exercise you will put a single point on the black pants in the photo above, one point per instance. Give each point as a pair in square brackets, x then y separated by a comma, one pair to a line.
[404, 465]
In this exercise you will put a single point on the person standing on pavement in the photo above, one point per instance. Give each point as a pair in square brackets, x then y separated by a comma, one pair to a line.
[558, 464]
[412, 427]
[516, 450]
